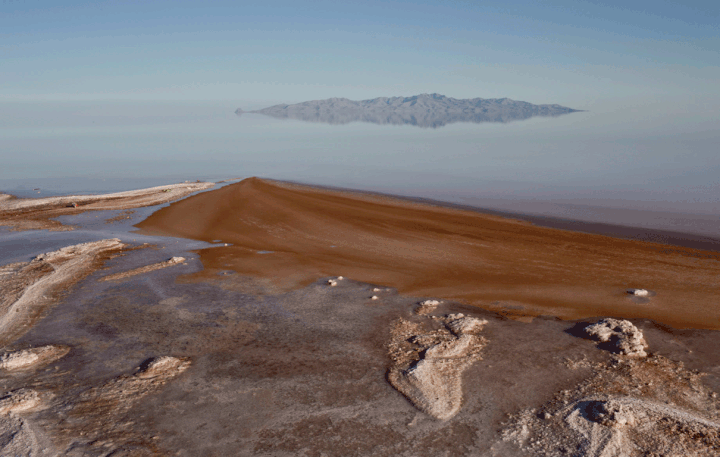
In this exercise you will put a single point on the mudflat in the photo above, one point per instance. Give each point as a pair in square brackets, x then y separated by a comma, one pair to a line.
[291, 234]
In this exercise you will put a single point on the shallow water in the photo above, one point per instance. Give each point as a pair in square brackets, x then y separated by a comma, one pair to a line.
[578, 165]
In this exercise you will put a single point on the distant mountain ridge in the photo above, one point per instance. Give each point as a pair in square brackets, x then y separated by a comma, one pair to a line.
[425, 110]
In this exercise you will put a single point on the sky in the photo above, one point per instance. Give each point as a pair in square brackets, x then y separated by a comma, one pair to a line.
[575, 53]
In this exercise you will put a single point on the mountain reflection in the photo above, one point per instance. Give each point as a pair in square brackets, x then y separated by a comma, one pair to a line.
[427, 111]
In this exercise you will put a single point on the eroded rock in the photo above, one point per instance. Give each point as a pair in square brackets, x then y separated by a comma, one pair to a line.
[622, 336]
[164, 366]
[427, 306]
[428, 364]
[18, 401]
[611, 413]
[27, 358]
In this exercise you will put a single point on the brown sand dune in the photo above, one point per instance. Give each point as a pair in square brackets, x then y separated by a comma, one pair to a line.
[423, 250]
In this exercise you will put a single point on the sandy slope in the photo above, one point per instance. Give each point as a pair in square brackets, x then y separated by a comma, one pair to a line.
[492, 262]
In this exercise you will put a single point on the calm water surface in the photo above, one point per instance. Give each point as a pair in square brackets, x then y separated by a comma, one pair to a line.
[641, 166]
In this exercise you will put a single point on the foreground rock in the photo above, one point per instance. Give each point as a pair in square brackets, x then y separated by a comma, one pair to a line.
[19, 401]
[146, 269]
[428, 364]
[31, 358]
[631, 407]
[28, 288]
[621, 335]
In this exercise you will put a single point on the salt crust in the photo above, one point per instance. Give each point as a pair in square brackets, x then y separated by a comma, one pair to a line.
[623, 336]
[146, 269]
[28, 358]
[428, 364]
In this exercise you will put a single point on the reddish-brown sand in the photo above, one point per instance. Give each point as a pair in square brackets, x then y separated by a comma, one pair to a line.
[430, 251]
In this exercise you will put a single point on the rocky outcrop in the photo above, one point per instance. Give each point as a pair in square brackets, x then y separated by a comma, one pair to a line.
[428, 364]
[27, 288]
[628, 407]
[621, 336]
[31, 358]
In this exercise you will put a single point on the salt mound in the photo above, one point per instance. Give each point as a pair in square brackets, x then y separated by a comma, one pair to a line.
[164, 366]
[430, 373]
[611, 413]
[82, 249]
[427, 306]
[629, 407]
[27, 288]
[19, 400]
[25, 358]
[623, 335]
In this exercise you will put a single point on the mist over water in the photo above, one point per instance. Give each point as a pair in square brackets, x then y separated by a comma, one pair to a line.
[648, 158]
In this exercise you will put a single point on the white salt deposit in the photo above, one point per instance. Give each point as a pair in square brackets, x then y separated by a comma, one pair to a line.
[623, 335]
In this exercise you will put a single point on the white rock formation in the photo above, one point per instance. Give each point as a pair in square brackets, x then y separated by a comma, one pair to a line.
[427, 306]
[165, 366]
[18, 401]
[434, 383]
[626, 338]
[26, 358]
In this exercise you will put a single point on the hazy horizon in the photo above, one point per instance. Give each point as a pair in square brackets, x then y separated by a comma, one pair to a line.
[131, 92]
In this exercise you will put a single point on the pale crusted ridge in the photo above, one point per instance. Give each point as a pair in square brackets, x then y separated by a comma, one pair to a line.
[11, 204]
[18, 401]
[146, 269]
[27, 288]
[33, 357]
[630, 407]
[428, 365]
[621, 334]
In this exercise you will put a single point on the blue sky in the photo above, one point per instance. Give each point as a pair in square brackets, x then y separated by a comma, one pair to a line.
[573, 53]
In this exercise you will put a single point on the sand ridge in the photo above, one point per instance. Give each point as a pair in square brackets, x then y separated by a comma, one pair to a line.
[496, 263]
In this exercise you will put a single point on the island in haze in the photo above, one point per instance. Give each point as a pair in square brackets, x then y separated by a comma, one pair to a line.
[425, 110]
